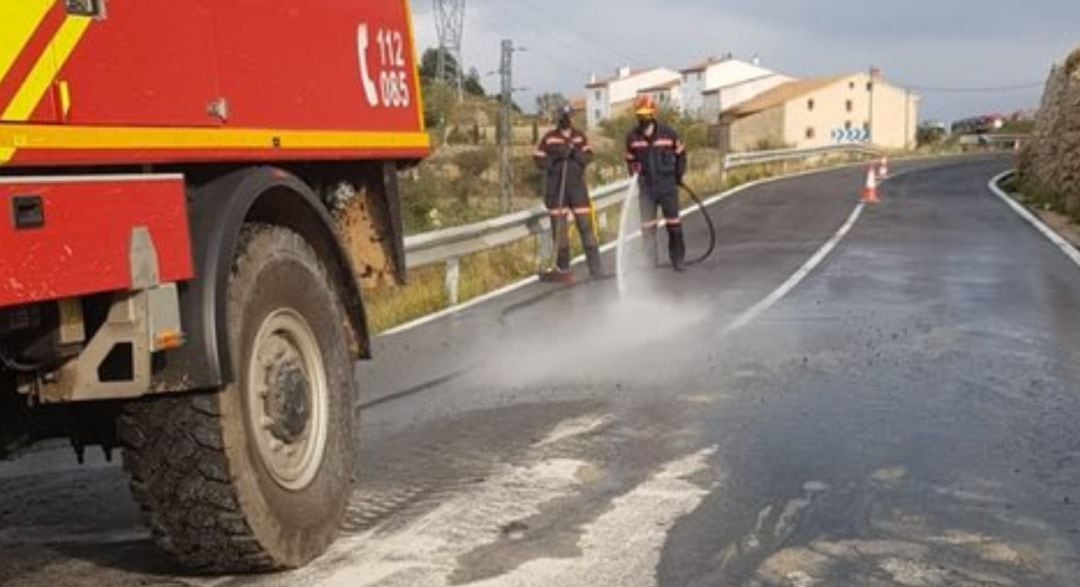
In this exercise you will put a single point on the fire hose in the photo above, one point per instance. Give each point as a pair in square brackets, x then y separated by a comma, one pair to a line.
[708, 222]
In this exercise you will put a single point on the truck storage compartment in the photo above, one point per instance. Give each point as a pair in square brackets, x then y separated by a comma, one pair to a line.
[73, 236]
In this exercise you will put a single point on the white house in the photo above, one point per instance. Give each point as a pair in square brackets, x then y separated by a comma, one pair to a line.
[668, 95]
[608, 97]
[724, 98]
[719, 83]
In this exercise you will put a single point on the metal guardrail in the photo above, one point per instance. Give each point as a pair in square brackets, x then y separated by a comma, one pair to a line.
[986, 139]
[734, 160]
[449, 245]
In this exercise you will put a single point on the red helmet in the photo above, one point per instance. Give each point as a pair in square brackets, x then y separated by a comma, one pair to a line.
[644, 105]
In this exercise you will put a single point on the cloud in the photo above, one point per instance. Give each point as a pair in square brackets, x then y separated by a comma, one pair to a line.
[935, 43]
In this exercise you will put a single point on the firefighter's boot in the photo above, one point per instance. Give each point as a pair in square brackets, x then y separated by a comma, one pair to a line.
[562, 260]
[591, 246]
[596, 267]
[677, 248]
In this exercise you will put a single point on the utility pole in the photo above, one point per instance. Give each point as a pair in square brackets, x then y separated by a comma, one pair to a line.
[869, 90]
[450, 27]
[907, 119]
[506, 99]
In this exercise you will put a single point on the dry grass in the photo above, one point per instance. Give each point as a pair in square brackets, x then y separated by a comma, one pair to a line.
[490, 270]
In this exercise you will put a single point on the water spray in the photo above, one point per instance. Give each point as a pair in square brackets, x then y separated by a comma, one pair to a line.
[630, 228]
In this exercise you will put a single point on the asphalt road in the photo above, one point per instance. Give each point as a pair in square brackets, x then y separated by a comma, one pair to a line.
[905, 415]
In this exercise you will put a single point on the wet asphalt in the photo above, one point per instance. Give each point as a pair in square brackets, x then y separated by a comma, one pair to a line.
[906, 415]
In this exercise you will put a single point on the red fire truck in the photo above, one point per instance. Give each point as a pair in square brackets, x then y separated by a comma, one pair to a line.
[193, 195]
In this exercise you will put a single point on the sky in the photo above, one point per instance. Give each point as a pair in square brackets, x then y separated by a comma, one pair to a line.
[951, 52]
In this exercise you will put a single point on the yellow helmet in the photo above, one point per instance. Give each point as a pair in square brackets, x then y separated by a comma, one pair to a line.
[645, 106]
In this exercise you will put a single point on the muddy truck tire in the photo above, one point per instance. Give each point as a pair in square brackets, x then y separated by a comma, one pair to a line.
[255, 476]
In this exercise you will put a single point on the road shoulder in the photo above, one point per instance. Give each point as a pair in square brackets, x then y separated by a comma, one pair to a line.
[1058, 228]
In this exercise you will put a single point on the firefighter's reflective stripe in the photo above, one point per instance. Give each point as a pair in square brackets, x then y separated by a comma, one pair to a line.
[554, 141]
[585, 211]
[539, 154]
[662, 222]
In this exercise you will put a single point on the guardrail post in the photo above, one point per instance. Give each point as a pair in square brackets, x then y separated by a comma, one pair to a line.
[453, 277]
[544, 243]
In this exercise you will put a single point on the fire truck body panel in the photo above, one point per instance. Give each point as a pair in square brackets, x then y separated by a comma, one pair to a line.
[150, 81]
[83, 246]
[191, 194]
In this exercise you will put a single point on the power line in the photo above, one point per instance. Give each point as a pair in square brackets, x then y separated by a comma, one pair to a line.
[540, 44]
[975, 90]
[597, 51]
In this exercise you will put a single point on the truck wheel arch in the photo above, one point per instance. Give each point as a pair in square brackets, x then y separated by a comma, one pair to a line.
[218, 211]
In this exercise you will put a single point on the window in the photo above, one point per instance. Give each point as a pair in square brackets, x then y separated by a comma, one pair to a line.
[598, 114]
[851, 85]
[869, 86]
[810, 104]
[847, 125]
[850, 106]
[866, 126]
[598, 97]
[810, 132]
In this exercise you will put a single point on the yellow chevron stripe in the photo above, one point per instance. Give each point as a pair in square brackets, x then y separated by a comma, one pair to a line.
[18, 21]
[35, 137]
[44, 72]
[416, 91]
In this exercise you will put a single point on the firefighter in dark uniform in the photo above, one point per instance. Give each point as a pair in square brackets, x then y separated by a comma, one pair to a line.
[656, 154]
[563, 154]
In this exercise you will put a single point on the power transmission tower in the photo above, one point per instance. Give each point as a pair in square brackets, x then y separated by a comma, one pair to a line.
[506, 99]
[450, 27]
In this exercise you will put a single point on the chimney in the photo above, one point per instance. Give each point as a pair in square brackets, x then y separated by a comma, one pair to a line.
[623, 72]
[756, 60]
[592, 79]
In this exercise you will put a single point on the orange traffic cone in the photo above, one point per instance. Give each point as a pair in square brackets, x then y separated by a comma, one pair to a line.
[869, 195]
[883, 168]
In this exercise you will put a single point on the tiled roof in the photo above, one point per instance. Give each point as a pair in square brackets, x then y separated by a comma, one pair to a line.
[782, 94]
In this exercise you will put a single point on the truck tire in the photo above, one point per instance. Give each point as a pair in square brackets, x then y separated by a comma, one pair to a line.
[256, 476]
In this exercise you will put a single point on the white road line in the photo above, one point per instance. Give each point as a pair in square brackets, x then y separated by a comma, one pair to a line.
[793, 281]
[460, 307]
[603, 249]
[1066, 247]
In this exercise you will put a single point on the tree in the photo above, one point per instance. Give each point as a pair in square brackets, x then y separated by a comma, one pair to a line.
[429, 68]
[549, 102]
[472, 85]
[439, 103]
[429, 65]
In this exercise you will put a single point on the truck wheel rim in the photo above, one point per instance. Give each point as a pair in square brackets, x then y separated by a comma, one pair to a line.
[287, 392]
